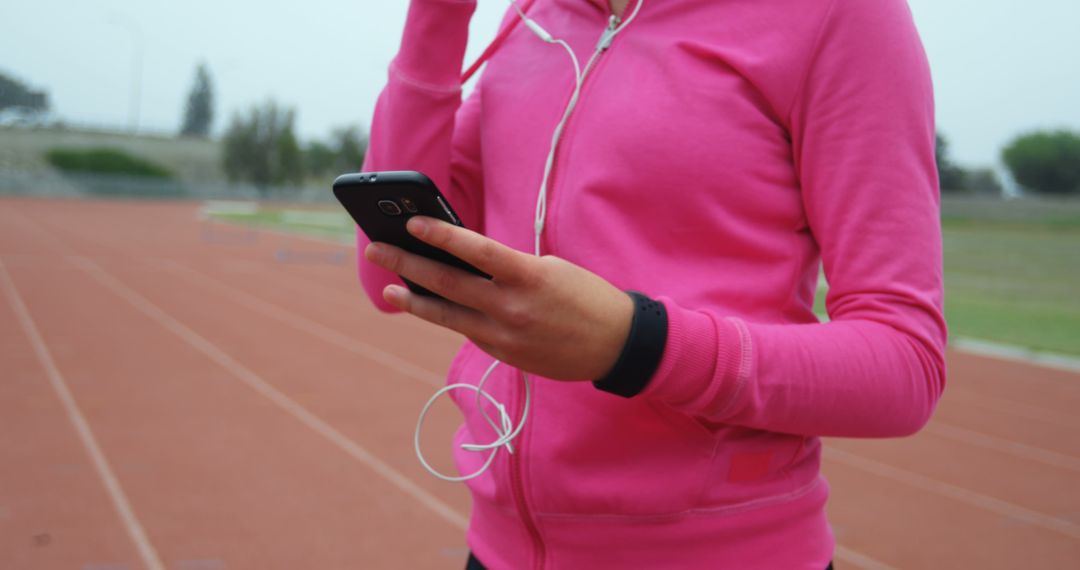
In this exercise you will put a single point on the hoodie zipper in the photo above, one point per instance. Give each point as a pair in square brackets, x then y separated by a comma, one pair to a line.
[517, 478]
[517, 483]
[602, 45]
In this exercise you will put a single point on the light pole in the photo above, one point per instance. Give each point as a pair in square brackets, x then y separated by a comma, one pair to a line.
[135, 99]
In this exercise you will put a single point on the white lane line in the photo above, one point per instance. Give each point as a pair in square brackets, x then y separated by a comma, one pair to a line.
[265, 389]
[356, 297]
[82, 427]
[961, 494]
[349, 244]
[22, 219]
[849, 556]
[1002, 445]
[989, 348]
[1011, 352]
[1015, 408]
[309, 326]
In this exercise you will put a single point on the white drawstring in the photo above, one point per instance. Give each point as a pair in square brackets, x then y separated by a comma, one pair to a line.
[504, 428]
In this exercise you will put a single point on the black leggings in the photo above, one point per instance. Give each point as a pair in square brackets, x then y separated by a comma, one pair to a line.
[474, 564]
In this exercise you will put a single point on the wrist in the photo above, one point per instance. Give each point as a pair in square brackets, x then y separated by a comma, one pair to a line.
[642, 351]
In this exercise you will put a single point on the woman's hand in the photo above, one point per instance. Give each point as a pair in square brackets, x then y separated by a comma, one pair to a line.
[543, 315]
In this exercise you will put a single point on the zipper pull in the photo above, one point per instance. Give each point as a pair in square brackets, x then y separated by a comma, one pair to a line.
[609, 33]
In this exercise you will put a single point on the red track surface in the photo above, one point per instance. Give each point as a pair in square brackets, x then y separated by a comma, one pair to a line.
[177, 398]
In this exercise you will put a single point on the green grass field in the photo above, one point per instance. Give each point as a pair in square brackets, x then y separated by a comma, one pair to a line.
[1012, 270]
[1014, 282]
[331, 224]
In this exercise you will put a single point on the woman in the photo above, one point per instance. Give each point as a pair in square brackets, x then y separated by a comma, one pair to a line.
[718, 153]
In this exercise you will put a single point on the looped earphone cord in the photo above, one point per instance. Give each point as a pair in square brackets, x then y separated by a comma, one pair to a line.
[505, 428]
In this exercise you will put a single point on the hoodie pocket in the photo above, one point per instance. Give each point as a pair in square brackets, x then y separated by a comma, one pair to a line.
[467, 368]
[597, 454]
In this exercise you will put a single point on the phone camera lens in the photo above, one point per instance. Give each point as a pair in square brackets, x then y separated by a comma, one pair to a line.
[410, 205]
[389, 207]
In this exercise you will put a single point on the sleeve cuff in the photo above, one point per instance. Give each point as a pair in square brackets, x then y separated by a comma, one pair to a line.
[706, 361]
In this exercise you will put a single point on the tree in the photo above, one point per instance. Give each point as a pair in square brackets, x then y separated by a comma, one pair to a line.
[320, 159]
[289, 166]
[343, 153]
[950, 176]
[261, 147]
[983, 181]
[350, 145]
[199, 112]
[17, 96]
[1045, 161]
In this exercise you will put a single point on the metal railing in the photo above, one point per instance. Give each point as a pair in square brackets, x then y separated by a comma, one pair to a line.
[86, 185]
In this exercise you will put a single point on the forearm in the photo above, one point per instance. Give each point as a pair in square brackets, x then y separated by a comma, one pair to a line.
[853, 377]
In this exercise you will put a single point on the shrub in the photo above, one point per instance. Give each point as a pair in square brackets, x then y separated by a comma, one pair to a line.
[1045, 161]
[950, 176]
[104, 161]
[983, 181]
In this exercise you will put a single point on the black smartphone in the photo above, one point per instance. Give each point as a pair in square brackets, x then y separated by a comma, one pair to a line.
[381, 202]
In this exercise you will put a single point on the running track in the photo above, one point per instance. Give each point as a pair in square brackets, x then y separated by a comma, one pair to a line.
[173, 401]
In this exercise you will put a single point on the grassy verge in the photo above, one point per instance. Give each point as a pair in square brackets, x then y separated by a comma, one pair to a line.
[1010, 281]
[321, 223]
[1014, 282]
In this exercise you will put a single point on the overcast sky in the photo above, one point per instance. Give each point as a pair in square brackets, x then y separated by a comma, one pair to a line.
[1000, 66]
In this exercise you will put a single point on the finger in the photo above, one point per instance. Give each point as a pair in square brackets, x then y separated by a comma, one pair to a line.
[452, 283]
[501, 262]
[440, 312]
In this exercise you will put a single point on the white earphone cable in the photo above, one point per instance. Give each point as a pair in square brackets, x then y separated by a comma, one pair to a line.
[504, 427]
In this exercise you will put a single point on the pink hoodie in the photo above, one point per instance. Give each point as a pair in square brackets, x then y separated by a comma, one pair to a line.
[721, 151]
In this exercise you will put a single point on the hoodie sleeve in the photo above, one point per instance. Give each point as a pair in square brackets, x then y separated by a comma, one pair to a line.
[862, 131]
[421, 124]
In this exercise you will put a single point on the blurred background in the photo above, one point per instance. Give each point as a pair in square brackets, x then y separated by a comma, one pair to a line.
[174, 160]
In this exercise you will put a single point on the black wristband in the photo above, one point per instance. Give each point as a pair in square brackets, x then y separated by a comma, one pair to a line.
[640, 356]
